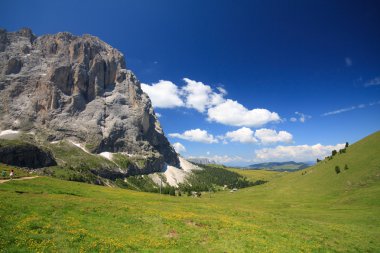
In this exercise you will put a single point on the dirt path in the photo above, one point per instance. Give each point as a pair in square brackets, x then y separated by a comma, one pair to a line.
[21, 178]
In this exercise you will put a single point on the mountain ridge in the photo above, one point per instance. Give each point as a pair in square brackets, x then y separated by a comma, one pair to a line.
[77, 88]
[279, 166]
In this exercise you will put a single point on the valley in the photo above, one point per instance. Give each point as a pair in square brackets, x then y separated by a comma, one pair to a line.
[189, 126]
[314, 210]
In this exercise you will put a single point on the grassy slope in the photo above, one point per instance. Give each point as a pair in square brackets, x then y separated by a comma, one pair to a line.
[264, 175]
[17, 171]
[320, 211]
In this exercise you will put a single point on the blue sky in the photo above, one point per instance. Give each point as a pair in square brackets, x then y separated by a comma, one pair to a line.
[320, 59]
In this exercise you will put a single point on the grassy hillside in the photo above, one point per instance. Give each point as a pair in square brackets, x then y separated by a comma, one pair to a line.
[210, 178]
[216, 177]
[264, 175]
[321, 180]
[316, 211]
[73, 163]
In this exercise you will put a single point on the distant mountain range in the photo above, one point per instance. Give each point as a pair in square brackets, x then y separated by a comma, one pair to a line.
[279, 166]
[201, 160]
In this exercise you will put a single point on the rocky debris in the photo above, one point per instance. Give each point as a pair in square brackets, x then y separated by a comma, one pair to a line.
[23, 154]
[66, 86]
[175, 176]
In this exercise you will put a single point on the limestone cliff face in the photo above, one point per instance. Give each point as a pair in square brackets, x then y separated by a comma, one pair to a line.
[65, 86]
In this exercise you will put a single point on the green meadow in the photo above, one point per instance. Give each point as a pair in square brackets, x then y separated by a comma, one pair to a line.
[313, 210]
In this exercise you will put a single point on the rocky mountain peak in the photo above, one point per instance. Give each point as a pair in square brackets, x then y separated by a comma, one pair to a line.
[63, 86]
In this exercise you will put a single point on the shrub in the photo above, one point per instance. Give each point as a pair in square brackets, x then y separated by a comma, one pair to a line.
[211, 177]
[337, 169]
[346, 167]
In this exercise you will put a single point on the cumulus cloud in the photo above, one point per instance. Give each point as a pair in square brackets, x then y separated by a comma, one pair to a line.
[163, 94]
[373, 82]
[204, 98]
[293, 119]
[200, 96]
[179, 148]
[243, 135]
[158, 115]
[232, 113]
[269, 136]
[295, 153]
[262, 136]
[194, 94]
[195, 135]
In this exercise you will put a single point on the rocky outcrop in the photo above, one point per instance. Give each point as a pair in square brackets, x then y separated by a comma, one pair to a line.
[24, 154]
[201, 160]
[63, 86]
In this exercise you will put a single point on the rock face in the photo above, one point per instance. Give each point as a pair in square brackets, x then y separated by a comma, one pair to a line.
[63, 86]
[201, 160]
[24, 155]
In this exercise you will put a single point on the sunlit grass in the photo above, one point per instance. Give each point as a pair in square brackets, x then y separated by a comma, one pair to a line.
[314, 212]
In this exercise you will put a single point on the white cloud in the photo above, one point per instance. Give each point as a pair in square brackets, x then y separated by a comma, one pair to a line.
[163, 94]
[295, 153]
[222, 90]
[373, 82]
[158, 115]
[243, 135]
[339, 111]
[301, 117]
[179, 148]
[348, 61]
[196, 95]
[347, 109]
[262, 136]
[196, 135]
[269, 136]
[232, 113]
[200, 96]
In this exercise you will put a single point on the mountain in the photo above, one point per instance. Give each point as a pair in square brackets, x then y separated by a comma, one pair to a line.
[75, 91]
[279, 166]
[201, 160]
